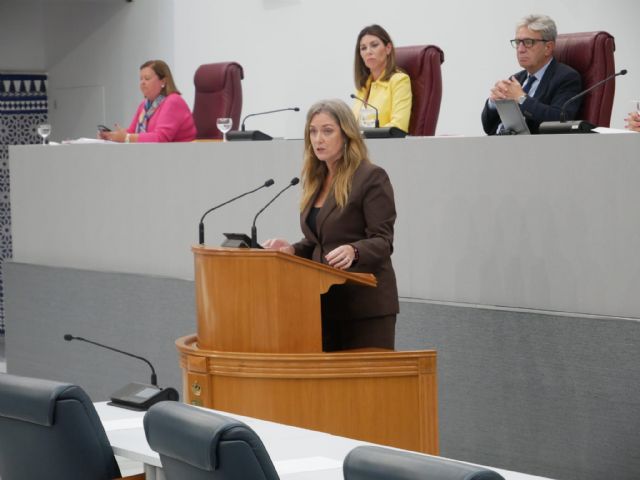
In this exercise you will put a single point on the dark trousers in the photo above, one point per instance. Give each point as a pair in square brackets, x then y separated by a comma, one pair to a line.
[346, 334]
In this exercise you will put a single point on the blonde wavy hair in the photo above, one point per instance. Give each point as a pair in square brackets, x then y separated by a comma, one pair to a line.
[315, 171]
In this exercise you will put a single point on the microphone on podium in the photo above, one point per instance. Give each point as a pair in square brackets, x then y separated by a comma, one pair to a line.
[254, 232]
[135, 396]
[243, 134]
[575, 126]
[368, 105]
[268, 183]
[377, 132]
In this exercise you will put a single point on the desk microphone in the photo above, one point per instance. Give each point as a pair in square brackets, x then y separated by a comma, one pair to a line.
[135, 396]
[295, 109]
[254, 232]
[367, 104]
[243, 134]
[268, 183]
[581, 94]
[154, 377]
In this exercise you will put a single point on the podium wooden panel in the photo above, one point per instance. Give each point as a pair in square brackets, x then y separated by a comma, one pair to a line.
[258, 352]
[250, 300]
[383, 397]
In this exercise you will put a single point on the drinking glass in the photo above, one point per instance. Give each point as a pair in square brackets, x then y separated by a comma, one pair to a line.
[367, 117]
[636, 106]
[44, 130]
[224, 125]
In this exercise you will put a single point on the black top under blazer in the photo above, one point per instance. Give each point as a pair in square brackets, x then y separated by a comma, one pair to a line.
[366, 222]
[559, 83]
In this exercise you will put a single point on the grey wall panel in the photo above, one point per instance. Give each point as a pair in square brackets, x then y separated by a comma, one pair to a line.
[550, 395]
[138, 314]
[557, 396]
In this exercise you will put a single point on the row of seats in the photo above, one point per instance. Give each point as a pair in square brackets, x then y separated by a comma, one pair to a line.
[51, 430]
[218, 88]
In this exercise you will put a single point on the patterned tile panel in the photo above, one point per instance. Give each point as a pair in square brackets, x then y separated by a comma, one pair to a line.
[23, 106]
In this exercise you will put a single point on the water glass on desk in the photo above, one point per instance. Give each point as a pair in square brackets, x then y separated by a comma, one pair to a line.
[44, 130]
[367, 117]
[224, 125]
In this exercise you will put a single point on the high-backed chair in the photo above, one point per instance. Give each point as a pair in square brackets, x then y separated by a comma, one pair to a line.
[51, 430]
[378, 463]
[592, 55]
[199, 444]
[422, 64]
[218, 94]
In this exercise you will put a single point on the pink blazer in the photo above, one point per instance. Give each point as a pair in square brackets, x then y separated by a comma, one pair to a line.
[171, 122]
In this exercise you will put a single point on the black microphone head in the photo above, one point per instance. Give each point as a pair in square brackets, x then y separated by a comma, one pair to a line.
[623, 71]
[353, 96]
[295, 181]
[269, 182]
[296, 109]
[68, 337]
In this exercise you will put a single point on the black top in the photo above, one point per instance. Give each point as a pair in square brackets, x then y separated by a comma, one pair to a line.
[311, 219]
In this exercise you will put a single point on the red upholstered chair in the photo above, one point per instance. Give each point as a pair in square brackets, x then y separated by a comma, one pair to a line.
[422, 64]
[591, 54]
[218, 94]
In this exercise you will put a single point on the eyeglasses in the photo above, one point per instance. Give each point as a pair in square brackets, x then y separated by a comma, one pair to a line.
[527, 42]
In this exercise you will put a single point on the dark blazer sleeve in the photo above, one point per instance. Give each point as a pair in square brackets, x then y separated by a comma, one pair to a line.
[559, 84]
[378, 210]
[490, 119]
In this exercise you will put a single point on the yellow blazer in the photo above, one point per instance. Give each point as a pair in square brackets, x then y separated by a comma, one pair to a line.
[392, 99]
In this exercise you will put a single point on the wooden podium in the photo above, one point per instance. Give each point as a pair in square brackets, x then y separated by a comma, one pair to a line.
[258, 352]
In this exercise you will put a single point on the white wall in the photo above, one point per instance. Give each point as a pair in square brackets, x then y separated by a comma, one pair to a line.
[295, 52]
[21, 36]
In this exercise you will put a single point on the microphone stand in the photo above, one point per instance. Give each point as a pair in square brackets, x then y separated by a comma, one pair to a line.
[377, 132]
[254, 230]
[575, 126]
[243, 134]
[268, 183]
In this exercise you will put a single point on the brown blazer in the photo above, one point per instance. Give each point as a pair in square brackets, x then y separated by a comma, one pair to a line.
[366, 222]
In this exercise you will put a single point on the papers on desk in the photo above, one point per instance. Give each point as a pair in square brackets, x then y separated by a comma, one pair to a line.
[606, 130]
[84, 141]
[309, 464]
[122, 424]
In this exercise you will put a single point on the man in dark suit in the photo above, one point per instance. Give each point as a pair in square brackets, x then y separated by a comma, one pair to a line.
[543, 86]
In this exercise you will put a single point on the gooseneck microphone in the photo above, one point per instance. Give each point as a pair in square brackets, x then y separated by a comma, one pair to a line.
[367, 104]
[154, 377]
[135, 396]
[295, 109]
[583, 93]
[254, 232]
[268, 183]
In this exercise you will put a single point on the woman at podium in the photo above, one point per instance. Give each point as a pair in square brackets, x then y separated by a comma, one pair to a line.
[163, 115]
[347, 219]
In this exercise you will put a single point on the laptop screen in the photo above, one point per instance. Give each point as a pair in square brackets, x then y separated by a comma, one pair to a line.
[512, 119]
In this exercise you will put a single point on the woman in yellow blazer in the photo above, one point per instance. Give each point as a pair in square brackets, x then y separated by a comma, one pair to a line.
[379, 81]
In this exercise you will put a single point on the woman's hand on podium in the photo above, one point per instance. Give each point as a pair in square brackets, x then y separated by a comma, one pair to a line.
[278, 244]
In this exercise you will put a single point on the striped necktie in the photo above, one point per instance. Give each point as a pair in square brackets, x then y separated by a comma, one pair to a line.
[528, 83]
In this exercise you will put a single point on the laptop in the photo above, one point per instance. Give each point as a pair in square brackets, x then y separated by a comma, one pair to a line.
[513, 121]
